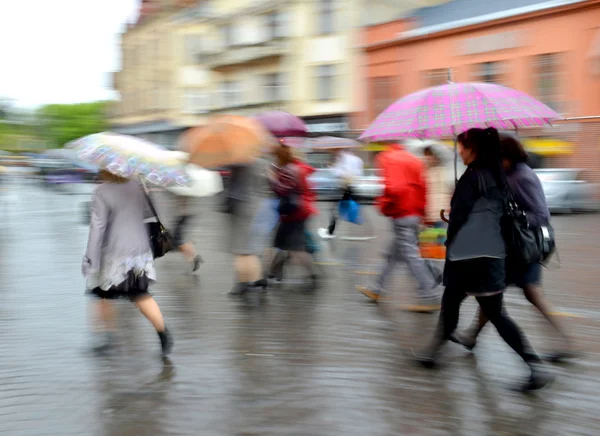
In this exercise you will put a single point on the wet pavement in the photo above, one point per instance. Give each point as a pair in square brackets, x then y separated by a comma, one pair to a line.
[290, 363]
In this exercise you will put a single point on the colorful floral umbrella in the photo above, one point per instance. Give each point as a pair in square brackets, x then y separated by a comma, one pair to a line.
[226, 140]
[282, 124]
[331, 143]
[128, 156]
[447, 110]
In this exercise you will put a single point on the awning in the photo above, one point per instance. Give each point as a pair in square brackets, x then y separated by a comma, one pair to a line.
[540, 146]
[548, 147]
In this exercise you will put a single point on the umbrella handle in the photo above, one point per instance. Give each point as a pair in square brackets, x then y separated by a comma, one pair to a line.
[443, 216]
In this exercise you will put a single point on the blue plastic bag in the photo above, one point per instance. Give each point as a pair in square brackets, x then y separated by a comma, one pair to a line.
[349, 210]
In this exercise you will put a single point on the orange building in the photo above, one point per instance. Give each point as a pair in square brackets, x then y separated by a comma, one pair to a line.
[550, 50]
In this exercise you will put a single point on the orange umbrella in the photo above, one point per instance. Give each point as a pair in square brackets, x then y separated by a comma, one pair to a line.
[227, 140]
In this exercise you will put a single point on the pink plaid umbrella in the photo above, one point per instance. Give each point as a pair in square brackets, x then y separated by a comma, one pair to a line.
[446, 110]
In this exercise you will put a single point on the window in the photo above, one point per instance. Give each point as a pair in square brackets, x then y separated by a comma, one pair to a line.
[325, 80]
[490, 72]
[227, 31]
[326, 16]
[192, 49]
[195, 101]
[547, 75]
[382, 94]
[436, 77]
[277, 23]
[274, 87]
[231, 93]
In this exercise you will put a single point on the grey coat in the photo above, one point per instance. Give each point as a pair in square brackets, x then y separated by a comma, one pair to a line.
[247, 188]
[118, 240]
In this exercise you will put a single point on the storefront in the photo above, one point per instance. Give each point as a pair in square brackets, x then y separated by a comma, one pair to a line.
[511, 47]
[333, 125]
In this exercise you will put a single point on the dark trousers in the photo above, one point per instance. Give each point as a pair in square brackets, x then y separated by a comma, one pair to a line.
[492, 307]
[347, 195]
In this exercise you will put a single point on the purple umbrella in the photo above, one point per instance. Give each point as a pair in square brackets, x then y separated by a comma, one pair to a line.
[447, 110]
[282, 124]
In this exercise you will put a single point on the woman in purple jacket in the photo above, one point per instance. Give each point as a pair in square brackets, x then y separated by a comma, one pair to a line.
[527, 190]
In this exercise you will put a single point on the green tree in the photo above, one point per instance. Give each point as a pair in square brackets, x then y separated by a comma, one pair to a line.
[61, 123]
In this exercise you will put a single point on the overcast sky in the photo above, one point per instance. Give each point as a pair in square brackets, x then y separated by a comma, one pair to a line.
[60, 51]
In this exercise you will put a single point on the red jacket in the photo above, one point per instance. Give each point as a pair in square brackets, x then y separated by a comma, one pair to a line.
[294, 178]
[405, 186]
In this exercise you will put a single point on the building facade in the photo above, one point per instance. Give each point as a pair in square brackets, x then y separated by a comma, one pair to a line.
[546, 49]
[185, 61]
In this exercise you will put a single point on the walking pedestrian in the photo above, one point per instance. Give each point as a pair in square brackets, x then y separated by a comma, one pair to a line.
[475, 257]
[346, 167]
[404, 202]
[289, 180]
[118, 262]
[187, 248]
[438, 191]
[265, 221]
[243, 195]
[529, 195]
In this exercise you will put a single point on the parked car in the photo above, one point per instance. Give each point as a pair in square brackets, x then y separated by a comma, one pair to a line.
[365, 188]
[324, 183]
[569, 190]
[368, 187]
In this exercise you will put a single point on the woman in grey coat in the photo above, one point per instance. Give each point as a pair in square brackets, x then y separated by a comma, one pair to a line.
[118, 261]
[242, 198]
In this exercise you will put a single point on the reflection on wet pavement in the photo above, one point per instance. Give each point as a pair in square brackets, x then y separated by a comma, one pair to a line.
[289, 362]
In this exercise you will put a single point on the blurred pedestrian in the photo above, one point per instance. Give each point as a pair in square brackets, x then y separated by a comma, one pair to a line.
[118, 262]
[475, 258]
[529, 195]
[265, 220]
[243, 196]
[346, 167]
[404, 202]
[438, 191]
[187, 248]
[289, 180]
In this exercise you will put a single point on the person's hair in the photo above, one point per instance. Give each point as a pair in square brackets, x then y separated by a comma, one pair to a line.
[430, 151]
[284, 155]
[485, 143]
[112, 178]
[512, 150]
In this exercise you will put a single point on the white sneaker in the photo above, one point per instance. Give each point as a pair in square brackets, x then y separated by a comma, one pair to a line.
[324, 233]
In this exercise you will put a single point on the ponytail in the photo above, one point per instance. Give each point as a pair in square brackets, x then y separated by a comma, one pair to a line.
[486, 145]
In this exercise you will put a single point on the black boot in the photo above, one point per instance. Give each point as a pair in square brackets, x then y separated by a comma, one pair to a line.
[197, 262]
[166, 341]
[239, 289]
[262, 283]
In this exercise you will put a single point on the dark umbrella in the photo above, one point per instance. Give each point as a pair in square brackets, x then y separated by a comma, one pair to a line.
[282, 124]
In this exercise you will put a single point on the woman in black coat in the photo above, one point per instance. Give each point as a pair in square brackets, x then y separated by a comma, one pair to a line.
[529, 195]
[475, 250]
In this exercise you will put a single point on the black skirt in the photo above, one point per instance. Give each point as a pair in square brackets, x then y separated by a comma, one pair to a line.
[290, 236]
[475, 276]
[133, 288]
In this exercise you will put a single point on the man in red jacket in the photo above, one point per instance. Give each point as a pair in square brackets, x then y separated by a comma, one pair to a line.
[403, 201]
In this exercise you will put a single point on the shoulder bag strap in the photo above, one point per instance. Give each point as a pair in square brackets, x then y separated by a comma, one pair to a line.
[149, 200]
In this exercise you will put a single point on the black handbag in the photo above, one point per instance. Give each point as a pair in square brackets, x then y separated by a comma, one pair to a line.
[288, 204]
[523, 242]
[161, 241]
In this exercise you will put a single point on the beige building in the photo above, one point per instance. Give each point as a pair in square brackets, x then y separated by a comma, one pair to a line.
[181, 65]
